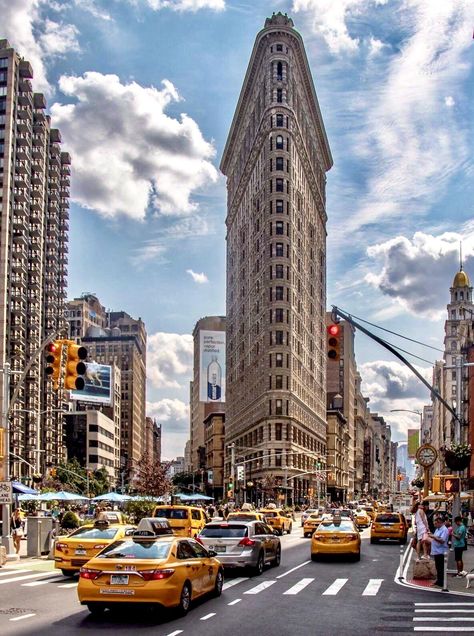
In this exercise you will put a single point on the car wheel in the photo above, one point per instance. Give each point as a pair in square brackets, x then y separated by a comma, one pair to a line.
[185, 599]
[218, 584]
[314, 557]
[357, 557]
[260, 564]
[68, 572]
[290, 529]
[277, 560]
[96, 609]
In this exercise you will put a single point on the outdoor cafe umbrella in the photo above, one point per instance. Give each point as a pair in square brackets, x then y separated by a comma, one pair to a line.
[61, 495]
[197, 498]
[112, 496]
[19, 488]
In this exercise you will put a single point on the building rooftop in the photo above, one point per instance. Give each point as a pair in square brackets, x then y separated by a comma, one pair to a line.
[461, 279]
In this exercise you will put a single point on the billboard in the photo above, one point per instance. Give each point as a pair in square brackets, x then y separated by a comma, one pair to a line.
[98, 387]
[413, 442]
[212, 371]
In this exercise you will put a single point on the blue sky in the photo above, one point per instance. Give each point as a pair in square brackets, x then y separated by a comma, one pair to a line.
[144, 92]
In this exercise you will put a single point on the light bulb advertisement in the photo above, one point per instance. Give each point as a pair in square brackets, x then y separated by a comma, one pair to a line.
[212, 370]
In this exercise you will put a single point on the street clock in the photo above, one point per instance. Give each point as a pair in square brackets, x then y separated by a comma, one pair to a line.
[426, 455]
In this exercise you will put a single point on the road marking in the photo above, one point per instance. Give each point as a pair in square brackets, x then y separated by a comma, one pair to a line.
[373, 586]
[233, 582]
[237, 600]
[443, 611]
[68, 585]
[441, 604]
[293, 569]
[13, 571]
[35, 583]
[437, 618]
[296, 589]
[20, 618]
[431, 628]
[259, 588]
[205, 618]
[175, 633]
[335, 587]
[27, 576]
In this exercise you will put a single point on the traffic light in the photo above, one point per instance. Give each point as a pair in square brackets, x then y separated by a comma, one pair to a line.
[53, 360]
[230, 489]
[436, 484]
[53, 472]
[334, 342]
[75, 367]
[451, 485]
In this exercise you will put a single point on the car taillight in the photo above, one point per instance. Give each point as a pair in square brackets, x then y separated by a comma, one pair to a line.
[99, 546]
[61, 546]
[351, 537]
[401, 526]
[155, 575]
[247, 542]
[199, 540]
[190, 532]
[87, 573]
[317, 537]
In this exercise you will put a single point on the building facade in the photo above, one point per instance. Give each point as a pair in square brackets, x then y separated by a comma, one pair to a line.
[201, 404]
[275, 161]
[214, 436]
[83, 313]
[153, 440]
[34, 205]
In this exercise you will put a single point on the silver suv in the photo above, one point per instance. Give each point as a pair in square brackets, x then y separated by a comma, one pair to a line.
[241, 544]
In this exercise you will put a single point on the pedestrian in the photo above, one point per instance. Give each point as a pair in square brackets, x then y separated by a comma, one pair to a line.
[449, 526]
[17, 529]
[439, 546]
[459, 544]
[421, 526]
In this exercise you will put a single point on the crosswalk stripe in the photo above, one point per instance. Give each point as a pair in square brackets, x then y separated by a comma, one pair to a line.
[432, 619]
[444, 611]
[259, 588]
[68, 585]
[296, 589]
[373, 586]
[234, 602]
[432, 628]
[233, 582]
[334, 588]
[444, 604]
[45, 582]
[27, 576]
[208, 616]
[13, 571]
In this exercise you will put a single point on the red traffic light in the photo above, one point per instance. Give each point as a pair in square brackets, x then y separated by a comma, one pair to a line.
[52, 347]
[333, 330]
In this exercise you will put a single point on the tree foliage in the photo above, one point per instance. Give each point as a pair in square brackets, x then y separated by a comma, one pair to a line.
[150, 479]
[71, 476]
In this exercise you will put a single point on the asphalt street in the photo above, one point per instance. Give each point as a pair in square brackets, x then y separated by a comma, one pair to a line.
[330, 597]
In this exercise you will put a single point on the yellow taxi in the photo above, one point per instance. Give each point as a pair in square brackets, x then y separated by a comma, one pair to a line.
[153, 567]
[277, 520]
[313, 521]
[336, 536]
[370, 510]
[362, 519]
[389, 525]
[74, 550]
[245, 515]
[185, 521]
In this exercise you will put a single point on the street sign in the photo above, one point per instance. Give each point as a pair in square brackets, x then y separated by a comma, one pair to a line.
[240, 472]
[6, 492]
[320, 475]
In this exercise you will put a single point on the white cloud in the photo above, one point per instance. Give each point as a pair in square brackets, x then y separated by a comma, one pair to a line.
[449, 101]
[416, 273]
[375, 46]
[198, 278]
[147, 253]
[134, 155]
[186, 5]
[168, 410]
[58, 39]
[169, 360]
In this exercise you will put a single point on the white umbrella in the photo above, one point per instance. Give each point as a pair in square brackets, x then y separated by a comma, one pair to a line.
[112, 496]
[61, 495]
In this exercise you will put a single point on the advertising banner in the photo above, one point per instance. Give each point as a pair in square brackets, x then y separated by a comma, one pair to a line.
[212, 371]
[98, 388]
[413, 442]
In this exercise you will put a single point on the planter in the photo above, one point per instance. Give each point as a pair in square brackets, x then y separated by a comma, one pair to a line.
[454, 462]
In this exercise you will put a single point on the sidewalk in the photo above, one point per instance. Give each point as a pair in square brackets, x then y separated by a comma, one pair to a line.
[455, 584]
[42, 563]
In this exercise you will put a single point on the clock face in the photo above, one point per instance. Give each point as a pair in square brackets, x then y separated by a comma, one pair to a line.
[426, 455]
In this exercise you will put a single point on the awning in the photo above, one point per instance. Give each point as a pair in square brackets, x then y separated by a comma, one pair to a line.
[20, 488]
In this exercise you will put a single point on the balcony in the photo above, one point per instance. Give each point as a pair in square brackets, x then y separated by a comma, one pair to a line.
[20, 195]
[38, 152]
[19, 238]
[24, 126]
[37, 205]
[37, 178]
[25, 70]
[22, 167]
[25, 99]
[25, 86]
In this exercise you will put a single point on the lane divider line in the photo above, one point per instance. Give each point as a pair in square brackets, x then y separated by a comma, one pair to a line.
[20, 618]
[208, 616]
[233, 582]
[293, 569]
[237, 600]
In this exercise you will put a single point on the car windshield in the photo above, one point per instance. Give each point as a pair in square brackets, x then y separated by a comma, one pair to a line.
[243, 517]
[171, 513]
[88, 532]
[387, 519]
[224, 531]
[336, 527]
[136, 550]
[271, 514]
[345, 513]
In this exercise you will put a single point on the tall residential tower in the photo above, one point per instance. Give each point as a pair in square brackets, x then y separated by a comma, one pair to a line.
[275, 160]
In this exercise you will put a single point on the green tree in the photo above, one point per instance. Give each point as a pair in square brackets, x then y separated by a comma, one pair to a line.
[182, 480]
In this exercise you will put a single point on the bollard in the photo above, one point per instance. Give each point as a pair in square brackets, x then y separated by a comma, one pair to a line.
[400, 571]
[38, 546]
[445, 573]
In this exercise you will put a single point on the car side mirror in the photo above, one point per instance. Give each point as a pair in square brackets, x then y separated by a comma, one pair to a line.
[212, 553]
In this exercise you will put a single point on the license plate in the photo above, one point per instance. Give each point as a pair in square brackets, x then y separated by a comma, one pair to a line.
[80, 552]
[119, 579]
[219, 548]
[120, 592]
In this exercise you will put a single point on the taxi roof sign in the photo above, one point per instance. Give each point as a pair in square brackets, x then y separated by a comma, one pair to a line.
[152, 527]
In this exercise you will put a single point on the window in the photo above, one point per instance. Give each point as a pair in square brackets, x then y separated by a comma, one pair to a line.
[195, 514]
[279, 71]
[279, 141]
[279, 121]
[279, 227]
[279, 383]
[279, 249]
[279, 95]
[279, 185]
[278, 293]
[278, 315]
[278, 271]
[279, 163]
[279, 407]
[278, 359]
[279, 206]
[279, 341]
[278, 456]
[279, 47]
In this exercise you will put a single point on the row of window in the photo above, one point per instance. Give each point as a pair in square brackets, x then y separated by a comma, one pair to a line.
[95, 428]
[103, 461]
[280, 185]
[94, 443]
[279, 121]
[280, 143]
[280, 164]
